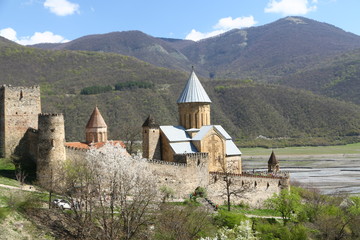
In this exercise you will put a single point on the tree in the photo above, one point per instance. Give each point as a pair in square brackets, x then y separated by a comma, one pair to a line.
[243, 231]
[183, 222]
[112, 193]
[287, 203]
[231, 188]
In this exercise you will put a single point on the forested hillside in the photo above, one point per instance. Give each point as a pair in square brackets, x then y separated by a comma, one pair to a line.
[244, 108]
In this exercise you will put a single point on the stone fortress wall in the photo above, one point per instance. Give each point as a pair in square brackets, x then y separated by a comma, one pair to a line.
[26, 131]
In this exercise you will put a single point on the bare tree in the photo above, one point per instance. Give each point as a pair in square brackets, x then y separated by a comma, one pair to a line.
[231, 188]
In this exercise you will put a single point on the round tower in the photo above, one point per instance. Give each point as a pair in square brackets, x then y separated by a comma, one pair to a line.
[151, 139]
[51, 147]
[194, 104]
[96, 128]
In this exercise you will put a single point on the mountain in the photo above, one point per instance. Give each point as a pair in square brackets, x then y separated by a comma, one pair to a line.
[130, 43]
[246, 109]
[267, 52]
[338, 77]
[264, 53]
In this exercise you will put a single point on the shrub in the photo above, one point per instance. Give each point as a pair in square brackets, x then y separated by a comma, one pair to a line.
[96, 90]
[21, 201]
[229, 219]
[133, 85]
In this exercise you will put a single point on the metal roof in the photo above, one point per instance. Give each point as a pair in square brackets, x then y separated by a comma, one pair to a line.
[175, 133]
[180, 141]
[183, 147]
[193, 91]
[232, 149]
[205, 129]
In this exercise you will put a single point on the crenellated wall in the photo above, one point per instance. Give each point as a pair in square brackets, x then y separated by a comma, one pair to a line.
[251, 189]
[188, 172]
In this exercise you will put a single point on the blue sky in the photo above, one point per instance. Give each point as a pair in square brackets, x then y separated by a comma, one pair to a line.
[35, 21]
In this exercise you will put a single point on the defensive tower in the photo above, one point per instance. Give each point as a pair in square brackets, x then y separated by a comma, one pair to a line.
[96, 128]
[151, 139]
[51, 146]
[194, 104]
[19, 109]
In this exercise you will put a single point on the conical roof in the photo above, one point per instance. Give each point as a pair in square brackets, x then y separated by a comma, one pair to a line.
[193, 91]
[96, 120]
[150, 122]
[272, 159]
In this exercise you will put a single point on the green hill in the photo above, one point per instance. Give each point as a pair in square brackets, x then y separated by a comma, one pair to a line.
[245, 109]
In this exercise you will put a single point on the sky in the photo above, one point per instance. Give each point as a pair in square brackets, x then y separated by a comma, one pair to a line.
[57, 21]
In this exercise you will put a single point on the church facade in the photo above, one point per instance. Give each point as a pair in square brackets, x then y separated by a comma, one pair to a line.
[193, 134]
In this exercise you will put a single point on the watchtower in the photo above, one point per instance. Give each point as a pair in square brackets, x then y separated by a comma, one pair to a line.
[51, 146]
[19, 109]
[151, 139]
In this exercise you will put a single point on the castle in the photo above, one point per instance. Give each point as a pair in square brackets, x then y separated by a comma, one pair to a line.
[184, 157]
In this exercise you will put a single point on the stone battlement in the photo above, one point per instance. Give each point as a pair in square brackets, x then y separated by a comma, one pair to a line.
[283, 175]
[154, 161]
[17, 87]
[76, 148]
[50, 114]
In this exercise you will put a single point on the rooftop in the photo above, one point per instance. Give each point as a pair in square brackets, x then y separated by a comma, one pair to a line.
[193, 91]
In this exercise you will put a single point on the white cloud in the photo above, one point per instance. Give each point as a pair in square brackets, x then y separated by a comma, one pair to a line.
[240, 22]
[61, 7]
[8, 33]
[291, 7]
[223, 25]
[38, 37]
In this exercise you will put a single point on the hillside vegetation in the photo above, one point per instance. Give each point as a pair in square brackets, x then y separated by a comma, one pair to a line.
[246, 109]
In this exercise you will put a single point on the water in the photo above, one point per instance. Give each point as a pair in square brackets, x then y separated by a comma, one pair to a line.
[329, 176]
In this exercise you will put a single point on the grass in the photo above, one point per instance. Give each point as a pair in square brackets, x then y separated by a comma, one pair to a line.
[321, 150]
[6, 164]
[257, 212]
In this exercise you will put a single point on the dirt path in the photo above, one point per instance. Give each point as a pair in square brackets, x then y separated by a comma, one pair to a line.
[24, 187]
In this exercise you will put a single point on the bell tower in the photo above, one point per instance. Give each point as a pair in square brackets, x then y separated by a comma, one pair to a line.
[194, 104]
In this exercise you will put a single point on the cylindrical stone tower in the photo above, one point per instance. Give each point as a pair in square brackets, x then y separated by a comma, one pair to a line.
[51, 147]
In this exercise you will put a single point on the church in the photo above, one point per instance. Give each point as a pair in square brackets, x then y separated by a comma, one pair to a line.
[194, 134]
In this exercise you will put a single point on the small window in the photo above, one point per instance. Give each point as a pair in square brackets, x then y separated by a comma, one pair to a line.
[198, 162]
[255, 185]
[21, 95]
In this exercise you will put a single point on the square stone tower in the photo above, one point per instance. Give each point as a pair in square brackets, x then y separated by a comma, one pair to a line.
[19, 110]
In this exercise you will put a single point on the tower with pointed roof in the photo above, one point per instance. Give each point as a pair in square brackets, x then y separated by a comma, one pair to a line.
[96, 128]
[194, 104]
[151, 139]
[273, 163]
